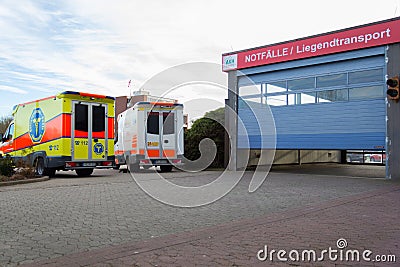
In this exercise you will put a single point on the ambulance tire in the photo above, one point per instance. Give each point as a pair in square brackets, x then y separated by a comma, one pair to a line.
[51, 172]
[166, 168]
[39, 167]
[84, 172]
[134, 167]
[116, 166]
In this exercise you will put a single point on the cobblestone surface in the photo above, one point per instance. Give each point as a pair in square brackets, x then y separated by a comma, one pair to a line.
[367, 223]
[69, 215]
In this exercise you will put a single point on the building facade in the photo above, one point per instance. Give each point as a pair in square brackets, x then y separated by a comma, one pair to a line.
[326, 94]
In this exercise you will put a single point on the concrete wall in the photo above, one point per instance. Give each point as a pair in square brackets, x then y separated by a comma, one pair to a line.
[291, 157]
[231, 122]
[393, 115]
[311, 156]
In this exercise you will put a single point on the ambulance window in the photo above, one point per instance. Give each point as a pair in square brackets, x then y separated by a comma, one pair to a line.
[99, 119]
[6, 133]
[153, 126]
[81, 117]
[10, 132]
[168, 123]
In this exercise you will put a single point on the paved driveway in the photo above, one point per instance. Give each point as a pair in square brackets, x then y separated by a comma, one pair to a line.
[68, 214]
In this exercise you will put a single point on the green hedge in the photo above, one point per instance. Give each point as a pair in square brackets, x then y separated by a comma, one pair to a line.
[210, 126]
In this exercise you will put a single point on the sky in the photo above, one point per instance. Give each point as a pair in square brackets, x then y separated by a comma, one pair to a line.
[97, 46]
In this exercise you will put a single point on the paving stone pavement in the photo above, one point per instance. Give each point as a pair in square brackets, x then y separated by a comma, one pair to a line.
[67, 215]
[366, 221]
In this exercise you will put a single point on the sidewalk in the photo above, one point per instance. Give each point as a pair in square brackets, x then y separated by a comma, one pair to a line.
[366, 221]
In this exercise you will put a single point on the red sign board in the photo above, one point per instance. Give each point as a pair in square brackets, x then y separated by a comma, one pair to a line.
[346, 40]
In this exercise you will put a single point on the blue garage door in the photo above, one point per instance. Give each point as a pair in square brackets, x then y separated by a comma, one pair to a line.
[331, 102]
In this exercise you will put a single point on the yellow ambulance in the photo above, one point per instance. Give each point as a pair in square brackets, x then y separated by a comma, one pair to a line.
[68, 131]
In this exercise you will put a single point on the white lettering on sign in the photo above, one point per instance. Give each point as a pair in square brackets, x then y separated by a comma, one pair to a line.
[343, 41]
[316, 47]
[274, 53]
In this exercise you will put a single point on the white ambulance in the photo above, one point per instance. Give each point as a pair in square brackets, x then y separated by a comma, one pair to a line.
[150, 134]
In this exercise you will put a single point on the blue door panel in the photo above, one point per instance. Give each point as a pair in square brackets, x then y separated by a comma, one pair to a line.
[354, 124]
[321, 126]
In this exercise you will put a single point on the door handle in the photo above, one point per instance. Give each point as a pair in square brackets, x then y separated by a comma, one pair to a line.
[166, 141]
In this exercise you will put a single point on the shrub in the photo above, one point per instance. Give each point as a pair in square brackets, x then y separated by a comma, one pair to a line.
[23, 173]
[6, 166]
[211, 127]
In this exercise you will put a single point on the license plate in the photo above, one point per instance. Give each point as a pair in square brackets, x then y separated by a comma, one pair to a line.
[161, 161]
[89, 164]
[152, 143]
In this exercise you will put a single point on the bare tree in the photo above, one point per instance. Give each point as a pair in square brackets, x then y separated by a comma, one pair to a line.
[4, 122]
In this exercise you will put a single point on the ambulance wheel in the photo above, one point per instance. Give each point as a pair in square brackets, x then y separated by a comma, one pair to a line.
[116, 166]
[166, 168]
[134, 167]
[39, 166]
[51, 172]
[84, 172]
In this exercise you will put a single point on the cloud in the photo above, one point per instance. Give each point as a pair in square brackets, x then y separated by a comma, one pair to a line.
[12, 89]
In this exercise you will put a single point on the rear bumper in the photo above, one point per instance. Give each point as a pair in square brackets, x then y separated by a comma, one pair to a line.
[160, 161]
[73, 165]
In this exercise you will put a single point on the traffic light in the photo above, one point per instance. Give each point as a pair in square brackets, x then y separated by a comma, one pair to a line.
[393, 91]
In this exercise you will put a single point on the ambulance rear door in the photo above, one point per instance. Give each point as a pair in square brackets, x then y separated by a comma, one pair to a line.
[89, 131]
[168, 138]
[161, 134]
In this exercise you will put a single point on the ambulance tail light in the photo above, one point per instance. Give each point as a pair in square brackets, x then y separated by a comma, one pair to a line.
[107, 163]
[144, 161]
[70, 164]
[177, 161]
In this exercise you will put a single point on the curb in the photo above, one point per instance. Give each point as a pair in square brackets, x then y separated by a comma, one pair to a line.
[27, 181]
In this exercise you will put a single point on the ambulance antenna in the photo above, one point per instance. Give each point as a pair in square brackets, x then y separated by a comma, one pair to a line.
[130, 90]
